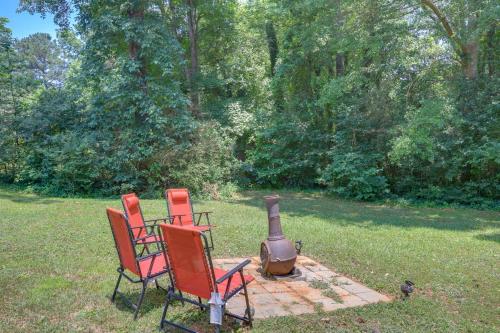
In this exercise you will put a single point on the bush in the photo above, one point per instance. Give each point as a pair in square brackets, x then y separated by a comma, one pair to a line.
[207, 166]
[356, 176]
[287, 155]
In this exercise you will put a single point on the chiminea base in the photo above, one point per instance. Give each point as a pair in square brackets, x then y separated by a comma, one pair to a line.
[294, 275]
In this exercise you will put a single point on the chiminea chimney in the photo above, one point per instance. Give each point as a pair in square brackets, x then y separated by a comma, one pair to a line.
[277, 254]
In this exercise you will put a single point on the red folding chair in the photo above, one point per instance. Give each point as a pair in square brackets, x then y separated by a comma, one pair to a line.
[142, 232]
[192, 272]
[144, 269]
[181, 212]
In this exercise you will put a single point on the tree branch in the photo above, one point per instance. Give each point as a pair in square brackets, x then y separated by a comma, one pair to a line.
[446, 25]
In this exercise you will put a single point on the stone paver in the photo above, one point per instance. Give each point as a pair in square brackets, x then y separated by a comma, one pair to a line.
[353, 300]
[327, 304]
[339, 291]
[325, 275]
[271, 310]
[276, 287]
[271, 298]
[298, 309]
[355, 288]
[373, 297]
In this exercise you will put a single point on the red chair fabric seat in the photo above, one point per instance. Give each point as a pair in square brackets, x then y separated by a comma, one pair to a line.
[159, 266]
[235, 281]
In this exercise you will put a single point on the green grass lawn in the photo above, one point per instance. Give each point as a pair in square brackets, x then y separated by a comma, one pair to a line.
[58, 263]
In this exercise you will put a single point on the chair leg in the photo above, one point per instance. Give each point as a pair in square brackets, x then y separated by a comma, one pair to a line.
[165, 308]
[182, 298]
[247, 301]
[141, 298]
[116, 288]
[200, 301]
[156, 284]
[217, 327]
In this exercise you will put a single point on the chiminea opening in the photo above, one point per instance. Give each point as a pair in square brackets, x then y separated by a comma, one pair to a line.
[277, 254]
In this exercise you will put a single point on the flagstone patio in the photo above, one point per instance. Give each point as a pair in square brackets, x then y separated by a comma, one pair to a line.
[318, 288]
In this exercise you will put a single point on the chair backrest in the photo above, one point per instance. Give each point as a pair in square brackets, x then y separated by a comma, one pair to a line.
[179, 203]
[123, 242]
[188, 261]
[133, 211]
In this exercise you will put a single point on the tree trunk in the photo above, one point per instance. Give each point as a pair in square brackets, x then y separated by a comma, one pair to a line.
[340, 57]
[137, 13]
[14, 123]
[272, 44]
[340, 64]
[468, 52]
[193, 70]
[490, 57]
[470, 60]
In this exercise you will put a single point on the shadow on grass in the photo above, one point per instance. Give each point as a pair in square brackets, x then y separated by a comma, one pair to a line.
[21, 198]
[365, 214]
[154, 299]
[191, 317]
[489, 237]
[185, 314]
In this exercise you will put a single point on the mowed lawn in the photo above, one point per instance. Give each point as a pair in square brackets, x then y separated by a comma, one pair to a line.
[58, 263]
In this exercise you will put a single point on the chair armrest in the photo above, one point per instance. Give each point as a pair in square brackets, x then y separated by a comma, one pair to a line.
[151, 233]
[233, 271]
[200, 214]
[145, 227]
[158, 219]
[179, 217]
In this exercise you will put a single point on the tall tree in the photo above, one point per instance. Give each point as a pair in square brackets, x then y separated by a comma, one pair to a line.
[43, 58]
[193, 19]
[272, 45]
[464, 24]
[9, 139]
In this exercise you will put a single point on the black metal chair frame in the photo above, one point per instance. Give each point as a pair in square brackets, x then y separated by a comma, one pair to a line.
[143, 280]
[172, 296]
[193, 214]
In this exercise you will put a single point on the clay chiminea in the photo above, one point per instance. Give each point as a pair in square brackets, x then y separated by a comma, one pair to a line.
[277, 254]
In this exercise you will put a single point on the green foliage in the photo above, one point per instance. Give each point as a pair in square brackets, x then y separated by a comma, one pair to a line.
[369, 104]
[355, 175]
[286, 154]
[207, 167]
[366, 99]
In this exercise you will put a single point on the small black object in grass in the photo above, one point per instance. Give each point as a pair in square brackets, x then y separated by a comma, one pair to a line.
[298, 246]
[407, 288]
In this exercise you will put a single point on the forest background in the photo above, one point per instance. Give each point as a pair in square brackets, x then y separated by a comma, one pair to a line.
[368, 99]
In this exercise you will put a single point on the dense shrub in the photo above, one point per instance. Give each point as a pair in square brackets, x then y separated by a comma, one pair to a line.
[207, 166]
[356, 176]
